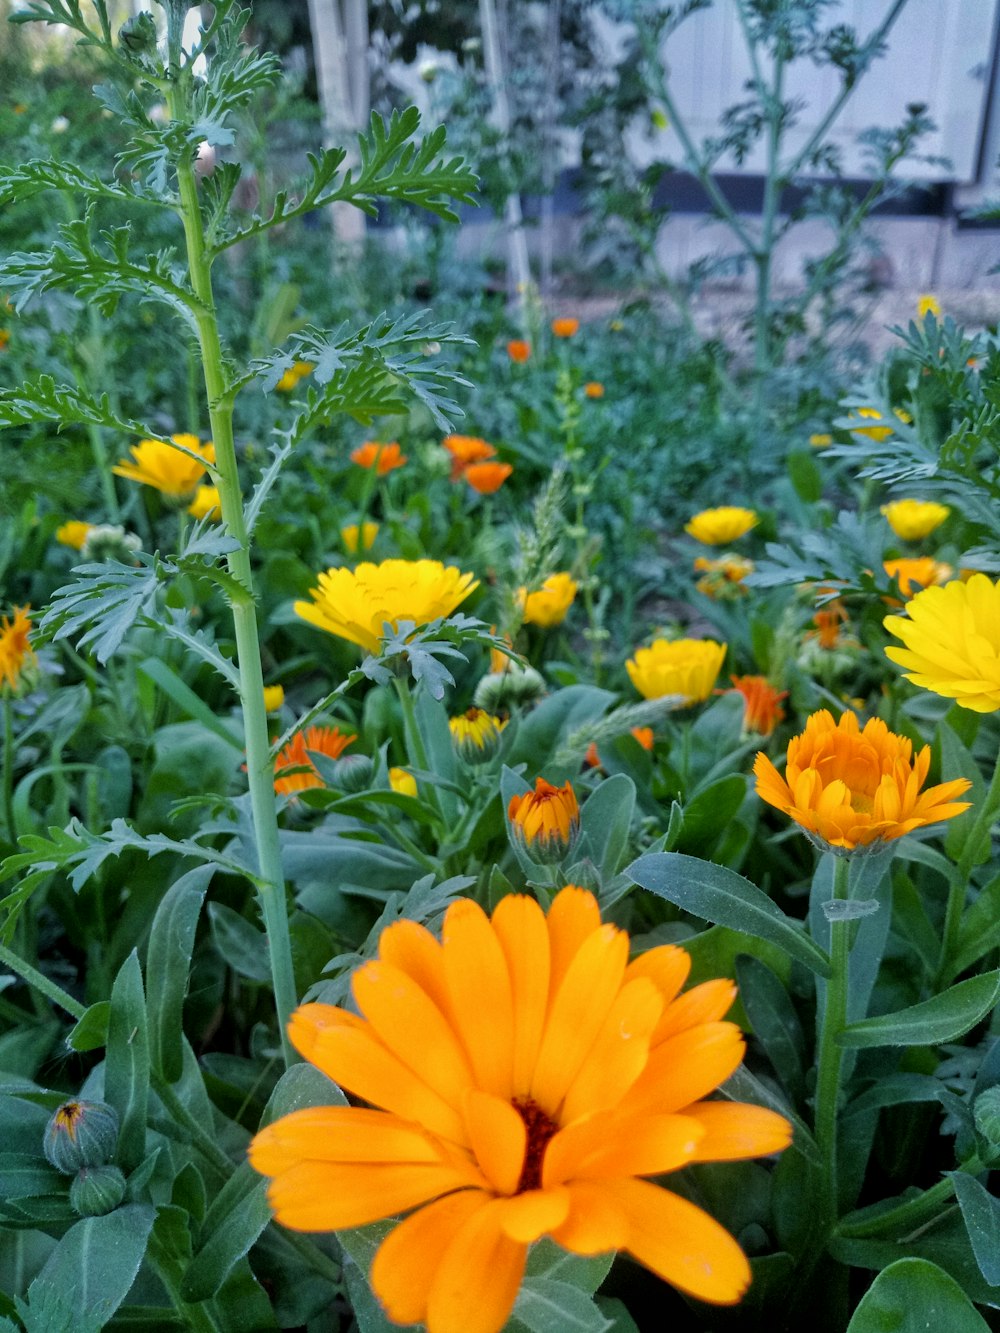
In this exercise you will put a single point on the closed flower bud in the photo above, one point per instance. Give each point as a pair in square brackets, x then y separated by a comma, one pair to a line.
[475, 735]
[353, 773]
[138, 35]
[97, 1190]
[81, 1134]
[545, 823]
[501, 691]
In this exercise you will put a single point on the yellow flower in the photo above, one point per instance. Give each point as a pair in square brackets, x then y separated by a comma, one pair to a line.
[166, 469]
[15, 649]
[952, 642]
[522, 1079]
[274, 698]
[928, 305]
[402, 781]
[850, 788]
[293, 374]
[349, 536]
[873, 432]
[356, 603]
[545, 822]
[687, 667]
[74, 533]
[821, 441]
[207, 503]
[917, 573]
[548, 606]
[914, 519]
[475, 734]
[715, 527]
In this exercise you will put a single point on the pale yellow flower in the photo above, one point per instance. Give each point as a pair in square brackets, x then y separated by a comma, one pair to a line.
[914, 519]
[685, 667]
[74, 533]
[274, 697]
[928, 305]
[716, 527]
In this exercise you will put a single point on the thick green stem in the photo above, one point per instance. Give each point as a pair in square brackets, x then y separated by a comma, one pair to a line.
[830, 1056]
[39, 982]
[959, 886]
[260, 766]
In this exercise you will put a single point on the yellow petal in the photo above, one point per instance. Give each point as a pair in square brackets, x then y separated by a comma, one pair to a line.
[498, 1137]
[479, 991]
[330, 1196]
[477, 1279]
[519, 925]
[734, 1131]
[406, 1262]
[529, 1216]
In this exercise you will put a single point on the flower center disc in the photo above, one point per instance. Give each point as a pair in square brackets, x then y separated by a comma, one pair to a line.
[540, 1129]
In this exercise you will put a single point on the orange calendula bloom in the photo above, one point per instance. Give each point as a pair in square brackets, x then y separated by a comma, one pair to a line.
[643, 735]
[519, 350]
[356, 604]
[565, 327]
[545, 822]
[523, 1079]
[850, 787]
[74, 533]
[15, 648]
[174, 474]
[920, 572]
[464, 450]
[593, 389]
[487, 478]
[548, 606]
[762, 709]
[722, 579]
[382, 457]
[4, 338]
[330, 741]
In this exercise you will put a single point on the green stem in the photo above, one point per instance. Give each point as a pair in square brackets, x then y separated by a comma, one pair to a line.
[831, 1055]
[913, 1214]
[260, 766]
[7, 777]
[415, 748]
[41, 983]
[958, 888]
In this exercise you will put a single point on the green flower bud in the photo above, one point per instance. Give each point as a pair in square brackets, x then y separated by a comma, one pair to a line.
[138, 35]
[501, 691]
[81, 1134]
[353, 773]
[97, 1190]
[986, 1113]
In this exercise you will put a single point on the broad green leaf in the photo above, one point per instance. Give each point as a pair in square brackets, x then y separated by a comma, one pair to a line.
[774, 1021]
[240, 943]
[914, 1296]
[979, 931]
[708, 815]
[96, 1262]
[943, 1018]
[717, 894]
[25, 1174]
[90, 1033]
[605, 820]
[168, 962]
[126, 1071]
[981, 1214]
[548, 1260]
[545, 1305]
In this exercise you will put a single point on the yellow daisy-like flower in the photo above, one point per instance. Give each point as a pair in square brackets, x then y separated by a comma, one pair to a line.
[207, 503]
[850, 788]
[354, 536]
[475, 734]
[927, 304]
[548, 606]
[545, 822]
[873, 432]
[522, 1079]
[715, 527]
[74, 533]
[356, 603]
[913, 574]
[15, 648]
[167, 470]
[687, 667]
[913, 520]
[952, 642]
[401, 780]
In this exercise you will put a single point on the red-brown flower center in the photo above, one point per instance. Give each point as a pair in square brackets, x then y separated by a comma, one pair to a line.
[540, 1129]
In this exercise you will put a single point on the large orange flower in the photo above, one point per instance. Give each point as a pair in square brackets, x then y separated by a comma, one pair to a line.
[330, 741]
[525, 1077]
[851, 788]
[382, 457]
[464, 450]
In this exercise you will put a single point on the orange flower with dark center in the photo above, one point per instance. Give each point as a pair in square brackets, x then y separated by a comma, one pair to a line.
[324, 740]
[850, 787]
[519, 350]
[487, 478]
[466, 449]
[382, 457]
[762, 709]
[523, 1079]
[545, 822]
[565, 327]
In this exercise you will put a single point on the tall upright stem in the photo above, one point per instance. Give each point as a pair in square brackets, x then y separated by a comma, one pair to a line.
[830, 1055]
[260, 766]
[959, 886]
[764, 258]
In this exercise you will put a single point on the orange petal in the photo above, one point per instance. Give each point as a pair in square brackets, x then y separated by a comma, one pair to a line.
[685, 1068]
[339, 1134]
[346, 1049]
[406, 1262]
[329, 1196]
[413, 1028]
[414, 950]
[479, 990]
[578, 1012]
[519, 925]
[706, 1003]
[667, 966]
[734, 1130]
[614, 1145]
[528, 1216]
[682, 1244]
[573, 916]
[619, 1054]
[498, 1137]
[597, 1222]
[478, 1277]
